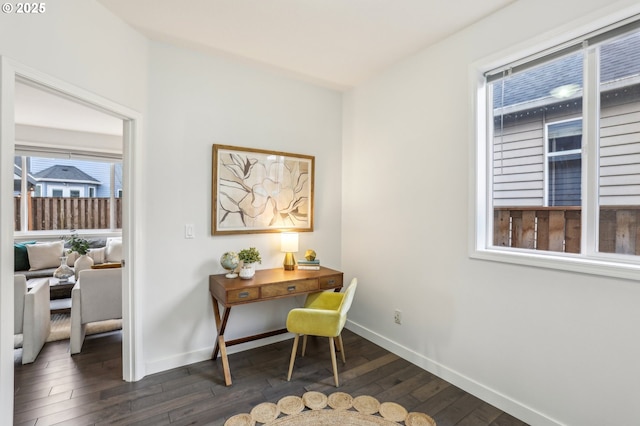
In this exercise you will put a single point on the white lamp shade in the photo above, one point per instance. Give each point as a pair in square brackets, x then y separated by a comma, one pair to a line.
[289, 242]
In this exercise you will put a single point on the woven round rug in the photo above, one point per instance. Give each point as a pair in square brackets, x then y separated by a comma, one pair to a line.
[339, 408]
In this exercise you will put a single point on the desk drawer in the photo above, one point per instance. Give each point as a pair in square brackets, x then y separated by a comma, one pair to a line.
[235, 296]
[283, 289]
[332, 281]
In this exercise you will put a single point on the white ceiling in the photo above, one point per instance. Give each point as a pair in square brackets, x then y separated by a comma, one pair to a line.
[335, 43]
[338, 43]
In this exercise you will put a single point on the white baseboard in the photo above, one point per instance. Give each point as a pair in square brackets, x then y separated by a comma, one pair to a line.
[501, 401]
[180, 360]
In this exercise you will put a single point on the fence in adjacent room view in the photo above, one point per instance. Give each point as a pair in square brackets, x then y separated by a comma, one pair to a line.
[51, 213]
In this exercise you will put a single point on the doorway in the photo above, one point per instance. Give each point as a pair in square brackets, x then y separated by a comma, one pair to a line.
[11, 73]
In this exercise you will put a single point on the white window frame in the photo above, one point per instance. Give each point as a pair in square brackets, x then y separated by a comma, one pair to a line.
[548, 154]
[86, 155]
[589, 261]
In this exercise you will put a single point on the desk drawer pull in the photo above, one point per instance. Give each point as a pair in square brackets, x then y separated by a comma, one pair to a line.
[331, 282]
[291, 288]
[243, 295]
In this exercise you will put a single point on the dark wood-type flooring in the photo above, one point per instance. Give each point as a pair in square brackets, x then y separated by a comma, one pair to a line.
[87, 389]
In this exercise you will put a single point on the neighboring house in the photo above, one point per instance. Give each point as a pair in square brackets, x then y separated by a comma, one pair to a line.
[537, 156]
[74, 178]
[65, 181]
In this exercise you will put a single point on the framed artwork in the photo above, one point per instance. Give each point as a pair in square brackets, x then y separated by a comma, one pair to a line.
[256, 191]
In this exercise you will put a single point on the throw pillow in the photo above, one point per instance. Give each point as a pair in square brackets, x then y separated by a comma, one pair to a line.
[45, 255]
[113, 251]
[20, 256]
[97, 254]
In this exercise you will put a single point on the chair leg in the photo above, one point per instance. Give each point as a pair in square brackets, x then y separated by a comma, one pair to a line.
[333, 360]
[304, 344]
[293, 356]
[341, 348]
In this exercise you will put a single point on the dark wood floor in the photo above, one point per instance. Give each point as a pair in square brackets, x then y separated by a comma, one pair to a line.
[86, 389]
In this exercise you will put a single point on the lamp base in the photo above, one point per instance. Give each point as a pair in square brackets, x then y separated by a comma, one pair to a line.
[289, 263]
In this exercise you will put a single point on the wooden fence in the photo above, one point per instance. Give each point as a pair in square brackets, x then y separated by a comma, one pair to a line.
[48, 213]
[559, 228]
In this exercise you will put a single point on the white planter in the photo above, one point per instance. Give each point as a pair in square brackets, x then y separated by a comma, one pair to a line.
[82, 262]
[247, 271]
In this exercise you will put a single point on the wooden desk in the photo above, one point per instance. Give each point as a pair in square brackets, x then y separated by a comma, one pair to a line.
[267, 284]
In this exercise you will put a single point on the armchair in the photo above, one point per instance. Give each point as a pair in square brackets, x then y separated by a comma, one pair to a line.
[96, 296]
[324, 314]
[32, 317]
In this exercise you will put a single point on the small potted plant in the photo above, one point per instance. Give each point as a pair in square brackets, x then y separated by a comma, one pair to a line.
[80, 246]
[77, 244]
[249, 258]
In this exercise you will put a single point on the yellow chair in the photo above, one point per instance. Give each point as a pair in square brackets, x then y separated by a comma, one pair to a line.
[324, 314]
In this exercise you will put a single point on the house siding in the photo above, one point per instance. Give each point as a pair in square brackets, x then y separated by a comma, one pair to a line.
[519, 151]
[620, 150]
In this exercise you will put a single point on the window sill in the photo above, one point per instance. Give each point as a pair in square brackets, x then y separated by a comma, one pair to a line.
[564, 262]
[57, 234]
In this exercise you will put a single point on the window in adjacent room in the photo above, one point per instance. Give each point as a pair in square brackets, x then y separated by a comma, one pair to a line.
[63, 192]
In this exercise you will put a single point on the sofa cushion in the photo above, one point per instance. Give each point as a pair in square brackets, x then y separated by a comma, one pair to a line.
[45, 255]
[113, 253]
[20, 256]
[98, 255]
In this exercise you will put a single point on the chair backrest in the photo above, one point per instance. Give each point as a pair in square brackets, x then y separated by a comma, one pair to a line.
[19, 294]
[100, 294]
[348, 297]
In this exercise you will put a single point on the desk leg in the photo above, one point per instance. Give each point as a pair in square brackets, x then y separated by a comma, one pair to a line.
[225, 361]
[216, 316]
[220, 345]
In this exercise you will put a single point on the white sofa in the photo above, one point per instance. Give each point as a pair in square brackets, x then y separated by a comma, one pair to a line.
[31, 316]
[96, 296]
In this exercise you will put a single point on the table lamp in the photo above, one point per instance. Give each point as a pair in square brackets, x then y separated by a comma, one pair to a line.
[289, 245]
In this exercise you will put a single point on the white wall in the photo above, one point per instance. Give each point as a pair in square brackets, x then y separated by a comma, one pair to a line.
[82, 44]
[551, 347]
[195, 101]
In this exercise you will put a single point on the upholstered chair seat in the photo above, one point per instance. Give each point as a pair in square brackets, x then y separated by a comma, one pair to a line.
[324, 314]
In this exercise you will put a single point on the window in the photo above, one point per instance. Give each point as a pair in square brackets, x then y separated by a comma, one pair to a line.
[564, 163]
[559, 155]
[67, 193]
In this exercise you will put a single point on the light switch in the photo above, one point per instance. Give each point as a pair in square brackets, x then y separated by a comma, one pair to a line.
[189, 231]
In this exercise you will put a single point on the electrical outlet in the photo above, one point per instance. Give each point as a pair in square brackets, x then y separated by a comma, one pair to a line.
[397, 317]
